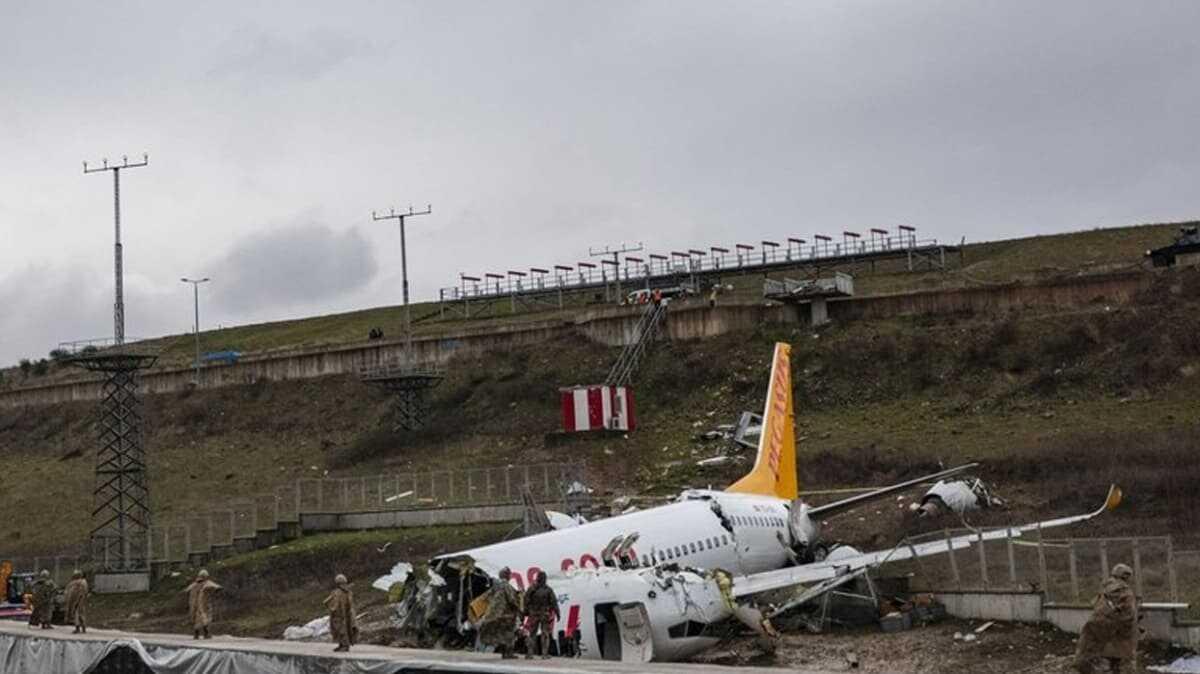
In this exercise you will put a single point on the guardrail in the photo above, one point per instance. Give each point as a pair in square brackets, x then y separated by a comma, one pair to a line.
[679, 264]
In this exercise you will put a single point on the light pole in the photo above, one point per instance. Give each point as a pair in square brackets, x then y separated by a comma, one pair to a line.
[118, 273]
[196, 303]
[393, 215]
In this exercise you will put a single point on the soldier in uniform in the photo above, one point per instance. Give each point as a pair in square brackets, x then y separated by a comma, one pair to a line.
[541, 607]
[43, 600]
[200, 603]
[499, 621]
[343, 625]
[75, 601]
[1111, 632]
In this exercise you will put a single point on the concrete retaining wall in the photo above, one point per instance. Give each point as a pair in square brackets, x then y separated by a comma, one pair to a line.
[399, 519]
[610, 326]
[1161, 621]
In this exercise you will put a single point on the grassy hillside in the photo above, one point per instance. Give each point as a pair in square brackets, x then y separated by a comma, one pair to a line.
[1028, 259]
[1054, 405]
[266, 591]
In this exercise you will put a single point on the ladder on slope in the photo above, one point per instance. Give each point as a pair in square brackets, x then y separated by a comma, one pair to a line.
[644, 334]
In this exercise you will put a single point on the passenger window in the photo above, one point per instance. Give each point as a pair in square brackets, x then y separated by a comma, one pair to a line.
[678, 553]
[723, 540]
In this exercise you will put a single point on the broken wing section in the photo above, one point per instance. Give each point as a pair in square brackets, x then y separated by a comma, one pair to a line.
[810, 573]
[774, 471]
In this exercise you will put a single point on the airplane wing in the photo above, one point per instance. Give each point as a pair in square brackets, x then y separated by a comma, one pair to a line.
[820, 571]
[845, 504]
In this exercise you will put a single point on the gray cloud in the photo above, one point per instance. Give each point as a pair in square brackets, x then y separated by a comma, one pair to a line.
[297, 266]
[259, 58]
[539, 129]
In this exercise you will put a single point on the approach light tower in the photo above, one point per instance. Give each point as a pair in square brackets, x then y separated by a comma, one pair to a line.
[119, 291]
[393, 215]
[407, 381]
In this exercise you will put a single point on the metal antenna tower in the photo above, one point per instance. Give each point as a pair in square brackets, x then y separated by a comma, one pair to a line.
[615, 253]
[119, 302]
[393, 215]
[407, 381]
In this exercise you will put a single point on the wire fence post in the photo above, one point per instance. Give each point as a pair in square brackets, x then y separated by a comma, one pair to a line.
[1072, 568]
[1042, 561]
[953, 560]
[1103, 559]
[1137, 568]
[983, 571]
[1012, 559]
[1171, 580]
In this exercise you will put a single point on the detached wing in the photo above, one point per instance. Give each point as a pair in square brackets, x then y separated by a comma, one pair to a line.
[855, 501]
[820, 571]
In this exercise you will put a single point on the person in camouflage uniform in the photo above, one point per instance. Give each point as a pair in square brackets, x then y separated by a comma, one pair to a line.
[499, 623]
[1111, 632]
[75, 601]
[199, 594]
[343, 625]
[541, 607]
[43, 600]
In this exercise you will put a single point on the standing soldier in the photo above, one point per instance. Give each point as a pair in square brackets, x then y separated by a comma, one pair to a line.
[199, 603]
[541, 606]
[75, 601]
[1111, 632]
[43, 600]
[342, 623]
[500, 619]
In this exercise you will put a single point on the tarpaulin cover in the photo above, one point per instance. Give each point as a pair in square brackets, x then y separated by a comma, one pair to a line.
[21, 655]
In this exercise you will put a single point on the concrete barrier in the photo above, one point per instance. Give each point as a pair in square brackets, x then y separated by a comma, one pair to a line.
[1161, 621]
[400, 519]
[610, 325]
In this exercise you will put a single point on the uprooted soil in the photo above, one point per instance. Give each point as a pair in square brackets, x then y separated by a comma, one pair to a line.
[1004, 648]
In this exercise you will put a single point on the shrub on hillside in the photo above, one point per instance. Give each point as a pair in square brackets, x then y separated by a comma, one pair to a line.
[26, 365]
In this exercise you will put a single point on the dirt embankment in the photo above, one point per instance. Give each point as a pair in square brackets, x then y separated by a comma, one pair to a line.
[1054, 406]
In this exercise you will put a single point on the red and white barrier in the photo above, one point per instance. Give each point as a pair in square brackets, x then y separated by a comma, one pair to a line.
[594, 408]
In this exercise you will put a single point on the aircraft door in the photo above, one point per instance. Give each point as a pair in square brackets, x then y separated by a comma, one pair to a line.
[637, 640]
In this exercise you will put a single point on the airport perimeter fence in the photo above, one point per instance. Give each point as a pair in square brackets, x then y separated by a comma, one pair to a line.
[60, 566]
[1067, 570]
[175, 540]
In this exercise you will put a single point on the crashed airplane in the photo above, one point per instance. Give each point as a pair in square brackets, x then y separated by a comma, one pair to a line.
[660, 584]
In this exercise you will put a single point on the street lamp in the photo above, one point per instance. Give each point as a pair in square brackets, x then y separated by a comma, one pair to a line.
[196, 302]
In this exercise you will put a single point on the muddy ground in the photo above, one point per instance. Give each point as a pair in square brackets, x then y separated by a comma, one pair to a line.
[1003, 647]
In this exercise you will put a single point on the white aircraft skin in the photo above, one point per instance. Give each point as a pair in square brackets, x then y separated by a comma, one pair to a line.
[755, 531]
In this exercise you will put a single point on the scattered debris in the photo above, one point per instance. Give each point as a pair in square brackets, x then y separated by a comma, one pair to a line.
[718, 460]
[397, 497]
[398, 574]
[314, 630]
[984, 627]
[1188, 664]
[956, 496]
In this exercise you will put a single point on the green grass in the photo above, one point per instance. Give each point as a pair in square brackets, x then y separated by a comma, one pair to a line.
[267, 590]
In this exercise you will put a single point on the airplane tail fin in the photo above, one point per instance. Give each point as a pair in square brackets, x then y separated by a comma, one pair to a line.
[774, 472]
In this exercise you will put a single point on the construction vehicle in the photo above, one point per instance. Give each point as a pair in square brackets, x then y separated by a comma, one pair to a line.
[16, 603]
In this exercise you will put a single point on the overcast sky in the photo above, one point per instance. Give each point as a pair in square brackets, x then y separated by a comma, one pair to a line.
[538, 129]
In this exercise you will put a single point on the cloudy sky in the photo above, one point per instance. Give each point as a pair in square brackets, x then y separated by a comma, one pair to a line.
[538, 129]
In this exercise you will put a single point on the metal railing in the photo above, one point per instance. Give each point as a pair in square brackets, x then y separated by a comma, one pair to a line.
[678, 264]
[1066, 570]
[176, 540]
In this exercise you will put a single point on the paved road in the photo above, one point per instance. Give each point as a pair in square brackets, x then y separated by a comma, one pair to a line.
[303, 657]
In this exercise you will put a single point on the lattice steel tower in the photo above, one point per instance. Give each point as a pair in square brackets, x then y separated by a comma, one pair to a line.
[121, 498]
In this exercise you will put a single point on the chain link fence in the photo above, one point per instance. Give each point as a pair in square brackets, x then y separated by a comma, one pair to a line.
[1066, 570]
[174, 541]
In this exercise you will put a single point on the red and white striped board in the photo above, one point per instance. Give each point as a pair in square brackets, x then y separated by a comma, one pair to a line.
[594, 408]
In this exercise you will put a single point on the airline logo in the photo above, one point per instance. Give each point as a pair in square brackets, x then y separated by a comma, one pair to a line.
[778, 419]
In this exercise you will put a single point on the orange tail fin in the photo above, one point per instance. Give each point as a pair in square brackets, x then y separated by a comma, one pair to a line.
[774, 472]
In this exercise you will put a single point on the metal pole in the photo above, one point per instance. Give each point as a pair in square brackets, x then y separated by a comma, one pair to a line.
[196, 306]
[118, 281]
[393, 215]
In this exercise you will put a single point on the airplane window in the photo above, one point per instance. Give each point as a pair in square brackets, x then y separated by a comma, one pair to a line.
[724, 541]
[678, 553]
[708, 542]
[645, 560]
